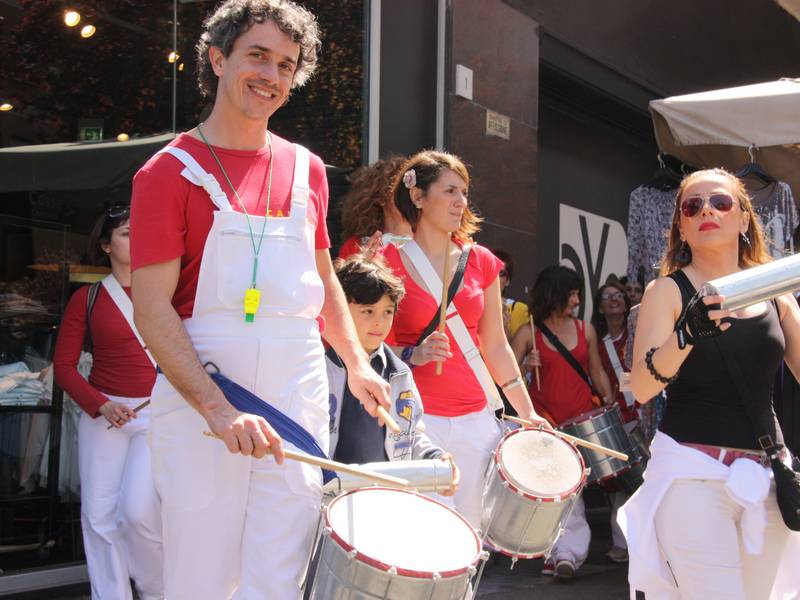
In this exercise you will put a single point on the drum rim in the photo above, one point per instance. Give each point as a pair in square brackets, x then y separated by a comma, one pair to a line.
[595, 412]
[520, 555]
[382, 566]
[515, 487]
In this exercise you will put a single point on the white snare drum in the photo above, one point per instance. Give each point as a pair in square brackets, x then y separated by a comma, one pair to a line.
[533, 482]
[396, 545]
[602, 426]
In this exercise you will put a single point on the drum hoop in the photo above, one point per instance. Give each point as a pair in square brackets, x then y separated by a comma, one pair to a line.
[521, 555]
[382, 566]
[515, 487]
[595, 412]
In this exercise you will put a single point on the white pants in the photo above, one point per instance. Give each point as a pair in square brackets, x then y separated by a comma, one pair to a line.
[120, 512]
[617, 537]
[573, 543]
[235, 526]
[470, 439]
[698, 528]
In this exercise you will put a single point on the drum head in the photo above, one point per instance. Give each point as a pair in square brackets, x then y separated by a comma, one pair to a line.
[540, 464]
[592, 414]
[415, 534]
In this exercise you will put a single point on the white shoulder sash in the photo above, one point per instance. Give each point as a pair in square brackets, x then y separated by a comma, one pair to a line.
[125, 306]
[612, 356]
[460, 332]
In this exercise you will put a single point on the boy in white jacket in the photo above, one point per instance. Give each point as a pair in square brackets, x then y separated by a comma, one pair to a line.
[373, 293]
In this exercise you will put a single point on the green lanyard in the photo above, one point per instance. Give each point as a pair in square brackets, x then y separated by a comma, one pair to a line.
[252, 295]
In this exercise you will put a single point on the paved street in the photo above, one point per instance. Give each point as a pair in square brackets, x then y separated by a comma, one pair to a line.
[598, 579]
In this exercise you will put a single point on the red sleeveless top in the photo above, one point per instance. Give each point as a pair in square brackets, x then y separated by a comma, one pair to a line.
[564, 393]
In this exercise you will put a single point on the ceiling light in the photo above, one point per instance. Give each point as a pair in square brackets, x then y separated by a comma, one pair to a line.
[123, 137]
[173, 56]
[6, 106]
[88, 31]
[72, 18]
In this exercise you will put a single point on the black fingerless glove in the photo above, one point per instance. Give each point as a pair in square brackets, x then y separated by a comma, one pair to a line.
[694, 324]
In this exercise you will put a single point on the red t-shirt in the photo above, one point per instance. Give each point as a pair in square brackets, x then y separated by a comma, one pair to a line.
[120, 366]
[171, 217]
[564, 393]
[351, 246]
[628, 413]
[456, 391]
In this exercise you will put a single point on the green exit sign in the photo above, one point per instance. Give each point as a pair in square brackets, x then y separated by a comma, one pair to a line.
[90, 134]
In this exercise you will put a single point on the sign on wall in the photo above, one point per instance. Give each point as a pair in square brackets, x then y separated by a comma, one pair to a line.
[595, 246]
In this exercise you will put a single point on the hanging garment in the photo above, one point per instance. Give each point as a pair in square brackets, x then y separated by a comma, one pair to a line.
[649, 218]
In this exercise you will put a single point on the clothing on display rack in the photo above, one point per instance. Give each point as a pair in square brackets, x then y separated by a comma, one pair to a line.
[775, 207]
[649, 217]
[19, 386]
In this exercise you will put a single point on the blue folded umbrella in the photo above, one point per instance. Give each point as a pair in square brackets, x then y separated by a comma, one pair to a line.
[287, 428]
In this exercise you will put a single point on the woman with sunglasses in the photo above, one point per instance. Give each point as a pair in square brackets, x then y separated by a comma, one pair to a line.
[610, 321]
[705, 523]
[120, 511]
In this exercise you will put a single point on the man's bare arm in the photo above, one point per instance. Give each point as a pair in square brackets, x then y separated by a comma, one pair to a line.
[363, 381]
[162, 329]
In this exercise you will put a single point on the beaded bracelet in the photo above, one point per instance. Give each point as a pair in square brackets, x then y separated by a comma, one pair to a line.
[648, 360]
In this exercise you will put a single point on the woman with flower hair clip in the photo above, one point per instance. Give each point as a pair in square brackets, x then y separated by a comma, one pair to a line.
[431, 193]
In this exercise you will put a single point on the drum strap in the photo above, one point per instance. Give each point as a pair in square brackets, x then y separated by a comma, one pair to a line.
[573, 362]
[614, 358]
[455, 323]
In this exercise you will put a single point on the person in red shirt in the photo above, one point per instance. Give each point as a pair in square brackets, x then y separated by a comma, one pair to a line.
[120, 510]
[368, 207]
[232, 270]
[432, 196]
[563, 394]
[610, 320]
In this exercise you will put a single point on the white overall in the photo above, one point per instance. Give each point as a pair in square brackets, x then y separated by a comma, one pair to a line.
[234, 526]
[120, 510]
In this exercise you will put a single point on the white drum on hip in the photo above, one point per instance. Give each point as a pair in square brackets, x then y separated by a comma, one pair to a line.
[394, 545]
[533, 482]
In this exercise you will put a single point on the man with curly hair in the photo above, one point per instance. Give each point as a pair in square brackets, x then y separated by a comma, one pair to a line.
[231, 268]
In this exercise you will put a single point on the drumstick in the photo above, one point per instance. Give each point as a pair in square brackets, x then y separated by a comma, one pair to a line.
[137, 409]
[443, 307]
[387, 418]
[333, 465]
[533, 343]
[575, 440]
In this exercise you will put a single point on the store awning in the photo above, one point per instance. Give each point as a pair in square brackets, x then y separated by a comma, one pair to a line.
[77, 165]
[716, 128]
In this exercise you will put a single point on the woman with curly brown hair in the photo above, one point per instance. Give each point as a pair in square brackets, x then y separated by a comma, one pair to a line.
[369, 208]
[431, 193]
[705, 523]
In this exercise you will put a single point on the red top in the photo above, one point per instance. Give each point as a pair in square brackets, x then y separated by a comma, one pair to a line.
[350, 247]
[564, 393]
[120, 366]
[171, 217]
[456, 391]
[628, 413]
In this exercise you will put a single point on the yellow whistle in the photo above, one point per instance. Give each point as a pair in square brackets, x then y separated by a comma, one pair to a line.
[252, 298]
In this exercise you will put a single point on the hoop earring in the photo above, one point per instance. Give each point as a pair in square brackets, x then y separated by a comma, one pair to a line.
[684, 254]
[746, 240]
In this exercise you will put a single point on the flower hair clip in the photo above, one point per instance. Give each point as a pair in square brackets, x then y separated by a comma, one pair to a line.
[410, 178]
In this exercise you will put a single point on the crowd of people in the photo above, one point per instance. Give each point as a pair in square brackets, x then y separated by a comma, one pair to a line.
[221, 271]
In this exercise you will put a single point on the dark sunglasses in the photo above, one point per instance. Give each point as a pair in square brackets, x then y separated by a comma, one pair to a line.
[120, 210]
[694, 204]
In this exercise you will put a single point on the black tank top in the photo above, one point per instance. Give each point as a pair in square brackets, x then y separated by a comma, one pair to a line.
[704, 405]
